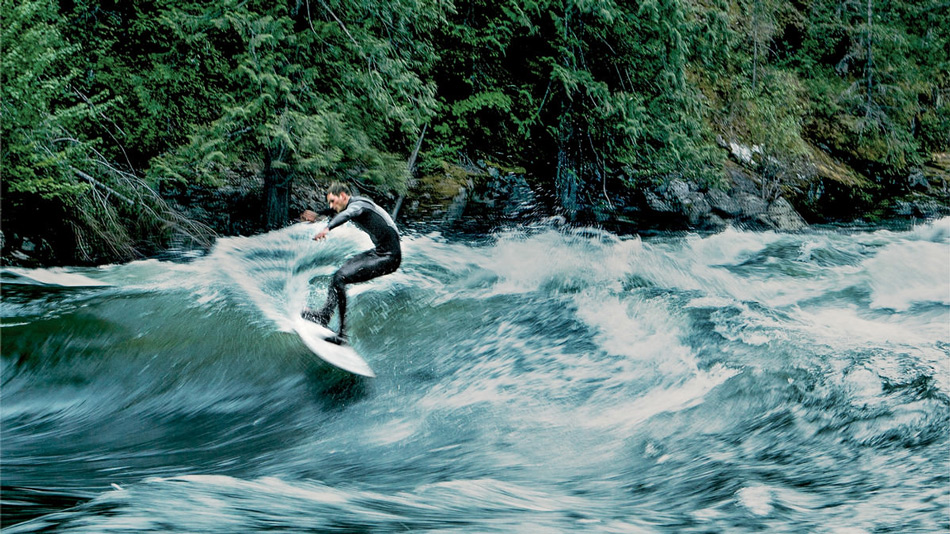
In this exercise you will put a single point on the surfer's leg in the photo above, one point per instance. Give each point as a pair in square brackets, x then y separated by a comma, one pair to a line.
[348, 273]
[360, 268]
[336, 298]
[367, 266]
[323, 316]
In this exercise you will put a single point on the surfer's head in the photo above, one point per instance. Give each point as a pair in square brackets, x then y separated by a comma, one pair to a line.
[338, 196]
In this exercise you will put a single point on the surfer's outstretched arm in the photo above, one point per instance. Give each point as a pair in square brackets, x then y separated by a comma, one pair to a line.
[310, 216]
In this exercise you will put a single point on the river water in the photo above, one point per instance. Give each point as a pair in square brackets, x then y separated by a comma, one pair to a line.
[540, 379]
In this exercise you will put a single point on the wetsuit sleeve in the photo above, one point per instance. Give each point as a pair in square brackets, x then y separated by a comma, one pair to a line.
[352, 210]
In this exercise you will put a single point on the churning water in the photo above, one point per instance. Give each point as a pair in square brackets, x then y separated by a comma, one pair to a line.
[538, 380]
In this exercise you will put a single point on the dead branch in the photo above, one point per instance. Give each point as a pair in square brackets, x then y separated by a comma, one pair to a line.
[411, 164]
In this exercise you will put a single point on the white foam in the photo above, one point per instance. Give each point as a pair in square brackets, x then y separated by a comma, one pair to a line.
[627, 414]
[53, 277]
[636, 329]
[937, 231]
[756, 499]
[844, 328]
[911, 272]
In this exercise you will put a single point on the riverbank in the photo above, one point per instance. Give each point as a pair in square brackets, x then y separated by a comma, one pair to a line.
[481, 196]
[634, 118]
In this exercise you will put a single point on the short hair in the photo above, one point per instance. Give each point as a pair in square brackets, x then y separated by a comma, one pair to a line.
[336, 188]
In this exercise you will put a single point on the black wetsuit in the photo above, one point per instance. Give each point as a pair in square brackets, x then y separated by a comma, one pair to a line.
[383, 259]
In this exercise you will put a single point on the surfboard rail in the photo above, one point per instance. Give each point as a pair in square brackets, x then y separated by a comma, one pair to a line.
[343, 356]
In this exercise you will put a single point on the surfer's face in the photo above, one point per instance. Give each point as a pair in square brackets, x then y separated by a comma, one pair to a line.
[338, 202]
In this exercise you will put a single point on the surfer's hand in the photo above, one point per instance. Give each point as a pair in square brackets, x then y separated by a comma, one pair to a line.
[321, 234]
[308, 216]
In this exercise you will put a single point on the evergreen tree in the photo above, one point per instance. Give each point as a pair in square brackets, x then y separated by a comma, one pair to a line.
[321, 99]
[873, 70]
[587, 92]
[40, 155]
[597, 98]
[58, 181]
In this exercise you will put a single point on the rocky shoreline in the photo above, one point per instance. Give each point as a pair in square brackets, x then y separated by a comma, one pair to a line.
[481, 191]
[480, 196]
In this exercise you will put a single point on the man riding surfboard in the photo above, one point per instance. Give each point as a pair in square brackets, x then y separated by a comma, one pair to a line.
[383, 259]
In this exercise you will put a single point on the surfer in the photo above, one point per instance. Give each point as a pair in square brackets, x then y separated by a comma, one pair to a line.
[383, 259]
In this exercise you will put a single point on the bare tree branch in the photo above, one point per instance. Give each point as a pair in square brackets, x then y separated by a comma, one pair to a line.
[411, 164]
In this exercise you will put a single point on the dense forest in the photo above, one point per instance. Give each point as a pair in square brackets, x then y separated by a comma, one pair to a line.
[128, 127]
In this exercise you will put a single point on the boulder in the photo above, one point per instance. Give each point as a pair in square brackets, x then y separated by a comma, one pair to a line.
[678, 191]
[714, 222]
[920, 206]
[697, 208]
[656, 203]
[721, 203]
[750, 205]
[780, 215]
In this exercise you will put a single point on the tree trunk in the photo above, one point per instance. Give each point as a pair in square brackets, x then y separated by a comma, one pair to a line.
[567, 178]
[276, 197]
[755, 43]
[869, 65]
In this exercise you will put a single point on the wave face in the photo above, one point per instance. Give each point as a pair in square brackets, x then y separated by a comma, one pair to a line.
[539, 380]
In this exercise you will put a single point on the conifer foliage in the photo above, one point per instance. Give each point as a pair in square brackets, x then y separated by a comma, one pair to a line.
[106, 102]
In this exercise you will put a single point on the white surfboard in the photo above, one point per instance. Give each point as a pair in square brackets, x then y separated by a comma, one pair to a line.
[342, 356]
